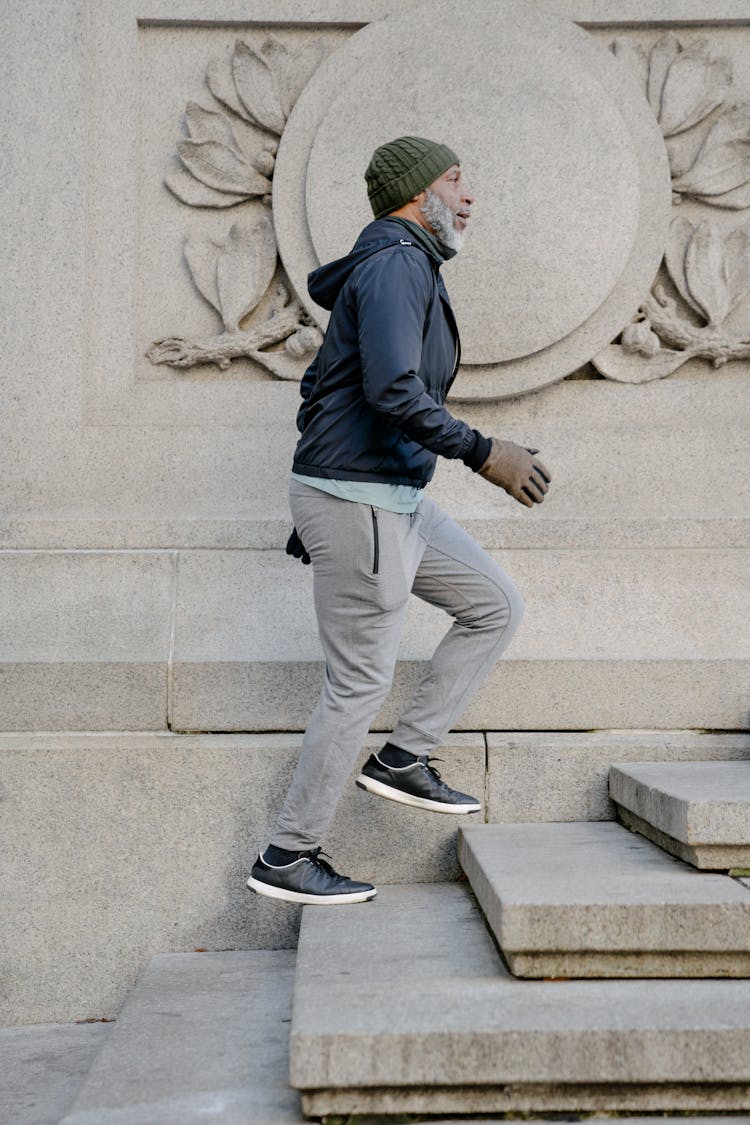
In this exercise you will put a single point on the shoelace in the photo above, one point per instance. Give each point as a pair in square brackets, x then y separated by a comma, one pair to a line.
[314, 856]
[435, 773]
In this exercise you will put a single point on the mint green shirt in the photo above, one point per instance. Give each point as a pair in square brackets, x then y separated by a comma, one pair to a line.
[392, 497]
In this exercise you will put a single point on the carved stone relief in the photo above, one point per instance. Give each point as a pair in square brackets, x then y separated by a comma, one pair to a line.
[705, 275]
[577, 169]
[228, 159]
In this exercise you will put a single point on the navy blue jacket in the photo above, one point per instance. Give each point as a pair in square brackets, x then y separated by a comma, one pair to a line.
[373, 396]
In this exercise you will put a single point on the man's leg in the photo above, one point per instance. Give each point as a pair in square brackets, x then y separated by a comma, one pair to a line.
[360, 603]
[457, 575]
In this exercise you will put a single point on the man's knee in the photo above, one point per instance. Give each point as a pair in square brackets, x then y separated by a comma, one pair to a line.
[516, 604]
[501, 609]
[369, 685]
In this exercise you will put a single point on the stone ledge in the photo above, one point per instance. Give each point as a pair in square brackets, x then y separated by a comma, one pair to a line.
[709, 857]
[518, 694]
[42, 1067]
[610, 1120]
[699, 811]
[84, 696]
[592, 900]
[535, 1098]
[85, 639]
[263, 534]
[200, 1035]
[613, 638]
[598, 605]
[610, 639]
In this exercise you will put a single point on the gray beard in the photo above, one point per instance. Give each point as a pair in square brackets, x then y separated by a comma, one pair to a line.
[440, 217]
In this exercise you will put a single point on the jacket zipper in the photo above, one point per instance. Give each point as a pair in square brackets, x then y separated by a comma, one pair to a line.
[376, 541]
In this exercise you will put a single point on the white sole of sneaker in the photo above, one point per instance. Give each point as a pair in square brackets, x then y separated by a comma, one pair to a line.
[381, 790]
[308, 900]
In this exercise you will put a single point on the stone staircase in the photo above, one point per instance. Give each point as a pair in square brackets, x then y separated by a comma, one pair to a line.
[411, 1007]
[577, 971]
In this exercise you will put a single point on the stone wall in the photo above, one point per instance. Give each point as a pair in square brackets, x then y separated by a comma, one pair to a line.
[175, 170]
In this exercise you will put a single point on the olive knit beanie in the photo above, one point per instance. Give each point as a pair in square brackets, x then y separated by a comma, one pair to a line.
[401, 169]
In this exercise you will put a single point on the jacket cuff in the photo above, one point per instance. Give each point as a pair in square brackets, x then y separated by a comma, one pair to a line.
[478, 452]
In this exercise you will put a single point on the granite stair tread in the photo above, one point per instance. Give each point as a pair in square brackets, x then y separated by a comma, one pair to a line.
[595, 900]
[699, 811]
[201, 1035]
[403, 1005]
[42, 1067]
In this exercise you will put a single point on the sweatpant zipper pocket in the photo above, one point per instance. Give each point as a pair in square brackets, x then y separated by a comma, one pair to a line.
[376, 541]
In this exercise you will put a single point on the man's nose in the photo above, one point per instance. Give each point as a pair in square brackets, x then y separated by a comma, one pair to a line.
[468, 195]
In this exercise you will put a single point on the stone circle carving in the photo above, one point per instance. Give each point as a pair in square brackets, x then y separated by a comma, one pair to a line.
[526, 322]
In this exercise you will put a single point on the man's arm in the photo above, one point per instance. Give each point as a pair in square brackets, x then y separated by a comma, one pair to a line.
[394, 291]
[306, 387]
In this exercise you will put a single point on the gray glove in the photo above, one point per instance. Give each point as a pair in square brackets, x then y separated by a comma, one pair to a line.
[517, 470]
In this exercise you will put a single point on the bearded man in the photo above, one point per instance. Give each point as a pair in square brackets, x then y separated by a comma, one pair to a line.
[372, 424]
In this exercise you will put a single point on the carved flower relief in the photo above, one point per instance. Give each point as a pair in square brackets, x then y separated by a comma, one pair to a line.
[705, 276]
[710, 271]
[720, 174]
[234, 275]
[228, 158]
[221, 163]
[685, 87]
[685, 84]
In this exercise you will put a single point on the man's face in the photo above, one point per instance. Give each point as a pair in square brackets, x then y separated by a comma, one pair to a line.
[452, 188]
[447, 207]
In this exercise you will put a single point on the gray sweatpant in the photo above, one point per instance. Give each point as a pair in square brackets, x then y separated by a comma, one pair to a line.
[365, 563]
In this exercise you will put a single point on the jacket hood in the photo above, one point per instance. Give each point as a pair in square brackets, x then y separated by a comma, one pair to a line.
[325, 283]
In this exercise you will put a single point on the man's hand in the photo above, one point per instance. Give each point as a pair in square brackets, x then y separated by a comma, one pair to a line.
[294, 547]
[517, 470]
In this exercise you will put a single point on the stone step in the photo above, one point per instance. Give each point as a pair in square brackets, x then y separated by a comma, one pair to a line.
[402, 1005]
[201, 1036]
[177, 822]
[595, 900]
[619, 639]
[42, 1067]
[699, 811]
[226, 640]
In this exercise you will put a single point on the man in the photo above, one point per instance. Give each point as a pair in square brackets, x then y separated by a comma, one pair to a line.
[372, 425]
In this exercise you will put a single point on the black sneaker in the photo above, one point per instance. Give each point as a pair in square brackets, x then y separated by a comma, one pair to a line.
[309, 879]
[419, 785]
